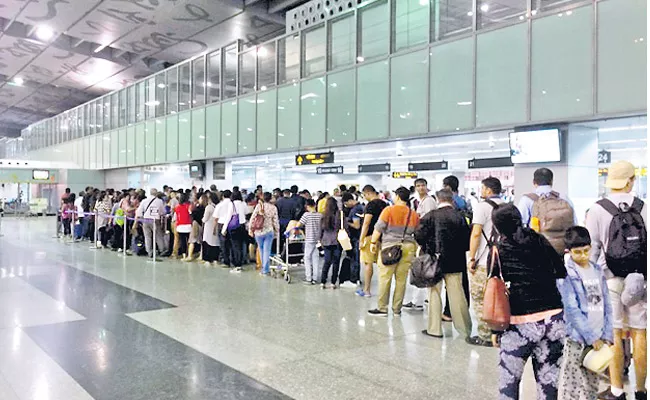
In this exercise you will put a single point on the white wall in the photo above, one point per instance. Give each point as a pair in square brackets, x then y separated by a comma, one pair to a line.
[116, 179]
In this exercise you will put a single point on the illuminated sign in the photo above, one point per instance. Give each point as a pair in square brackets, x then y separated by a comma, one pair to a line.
[489, 162]
[374, 168]
[40, 175]
[315, 158]
[405, 175]
[429, 166]
[329, 170]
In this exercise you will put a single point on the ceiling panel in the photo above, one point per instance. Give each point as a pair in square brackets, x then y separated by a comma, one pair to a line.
[51, 64]
[58, 15]
[15, 53]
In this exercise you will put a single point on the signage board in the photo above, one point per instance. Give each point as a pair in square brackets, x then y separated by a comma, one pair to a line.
[40, 174]
[329, 170]
[315, 158]
[489, 162]
[429, 166]
[604, 157]
[404, 175]
[374, 168]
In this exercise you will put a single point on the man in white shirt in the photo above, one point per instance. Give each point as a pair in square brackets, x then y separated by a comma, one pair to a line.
[150, 211]
[422, 204]
[221, 215]
[478, 253]
[620, 180]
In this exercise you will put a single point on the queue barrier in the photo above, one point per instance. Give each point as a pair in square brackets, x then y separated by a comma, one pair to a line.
[112, 217]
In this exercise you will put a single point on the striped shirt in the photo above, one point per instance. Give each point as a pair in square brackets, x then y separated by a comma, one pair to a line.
[311, 222]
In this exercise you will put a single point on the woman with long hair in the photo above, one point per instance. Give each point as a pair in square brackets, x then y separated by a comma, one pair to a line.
[395, 227]
[270, 228]
[196, 233]
[330, 226]
[103, 207]
[210, 246]
[531, 266]
[183, 223]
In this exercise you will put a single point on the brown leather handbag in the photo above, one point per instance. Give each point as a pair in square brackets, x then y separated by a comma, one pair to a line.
[496, 300]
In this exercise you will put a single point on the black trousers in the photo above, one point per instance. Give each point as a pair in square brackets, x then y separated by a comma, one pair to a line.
[210, 253]
[236, 238]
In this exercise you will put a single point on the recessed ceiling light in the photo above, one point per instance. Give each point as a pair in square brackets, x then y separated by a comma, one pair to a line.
[18, 81]
[485, 7]
[44, 32]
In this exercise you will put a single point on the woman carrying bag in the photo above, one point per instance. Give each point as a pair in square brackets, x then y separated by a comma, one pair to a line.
[331, 226]
[396, 227]
[525, 264]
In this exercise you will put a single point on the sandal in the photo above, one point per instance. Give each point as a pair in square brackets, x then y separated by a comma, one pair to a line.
[477, 341]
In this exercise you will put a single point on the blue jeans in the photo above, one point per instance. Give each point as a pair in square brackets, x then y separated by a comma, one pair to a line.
[332, 259]
[265, 244]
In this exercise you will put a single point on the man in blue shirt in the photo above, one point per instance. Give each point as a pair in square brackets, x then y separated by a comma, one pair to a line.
[543, 182]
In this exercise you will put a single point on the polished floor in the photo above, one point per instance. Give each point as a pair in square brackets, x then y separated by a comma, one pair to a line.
[77, 323]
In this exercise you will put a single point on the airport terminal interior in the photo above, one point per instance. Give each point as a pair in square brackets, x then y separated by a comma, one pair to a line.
[105, 102]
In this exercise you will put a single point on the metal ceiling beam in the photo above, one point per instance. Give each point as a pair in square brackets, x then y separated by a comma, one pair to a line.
[281, 5]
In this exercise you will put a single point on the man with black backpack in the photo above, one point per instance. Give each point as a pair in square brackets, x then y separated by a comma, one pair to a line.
[617, 226]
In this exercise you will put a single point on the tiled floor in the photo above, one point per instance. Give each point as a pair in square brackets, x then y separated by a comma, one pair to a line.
[77, 323]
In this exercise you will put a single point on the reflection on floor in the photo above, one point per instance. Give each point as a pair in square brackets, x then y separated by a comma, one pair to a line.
[77, 323]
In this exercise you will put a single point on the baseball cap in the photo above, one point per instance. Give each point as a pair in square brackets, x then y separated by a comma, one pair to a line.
[618, 174]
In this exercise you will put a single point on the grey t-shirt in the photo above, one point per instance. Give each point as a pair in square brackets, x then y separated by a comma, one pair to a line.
[595, 307]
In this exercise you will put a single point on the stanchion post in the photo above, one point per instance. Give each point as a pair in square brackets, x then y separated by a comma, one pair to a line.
[94, 246]
[124, 229]
[154, 241]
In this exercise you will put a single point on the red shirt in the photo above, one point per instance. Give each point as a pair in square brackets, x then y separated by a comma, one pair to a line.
[183, 216]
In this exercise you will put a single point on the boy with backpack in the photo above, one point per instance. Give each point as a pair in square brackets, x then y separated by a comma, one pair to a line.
[545, 211]
[587, 316]
[617, 225]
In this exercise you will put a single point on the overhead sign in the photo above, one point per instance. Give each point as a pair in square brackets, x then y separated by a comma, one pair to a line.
[329, 170]
[604, 157]
[40, 175]
[489, 162]
[405, 175]
[429, 166]
[374, 168]
[315, 158]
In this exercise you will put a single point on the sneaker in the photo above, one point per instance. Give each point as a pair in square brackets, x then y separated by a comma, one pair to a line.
[608, 395]
[360, 293]
[640, 395]
[265, 273]
[477, 341]
[323, 286]
[378, 313]
[336, 286]
[412, 306]
[235, 270]
[348, 285]
[306, 282]
[397, 314]
[314, 282]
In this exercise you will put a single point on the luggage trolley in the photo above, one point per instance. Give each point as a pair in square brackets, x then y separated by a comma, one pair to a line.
[290, 258]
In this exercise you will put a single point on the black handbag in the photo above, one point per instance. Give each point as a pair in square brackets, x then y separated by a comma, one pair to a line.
[391, 255]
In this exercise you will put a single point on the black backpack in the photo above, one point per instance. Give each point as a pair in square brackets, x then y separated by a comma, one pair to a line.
[626, 250]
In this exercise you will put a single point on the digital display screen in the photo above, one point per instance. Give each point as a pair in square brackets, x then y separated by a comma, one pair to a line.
[535, 146]
[194, 168]
[40, 175]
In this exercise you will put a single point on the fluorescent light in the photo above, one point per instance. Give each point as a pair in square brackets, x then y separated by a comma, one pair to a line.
[360, 59]
[464, 103]
[262, 52]
[161, 85]
[308, 96]
[470, 13]
[100, 48]
[44, 33]
[485, 7]
[622, 141]
[18, 81]
[622, 128]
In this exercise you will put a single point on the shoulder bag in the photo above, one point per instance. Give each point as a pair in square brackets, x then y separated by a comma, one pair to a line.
[391, 255]
[426, 269]
[496, 300]
[343, 237]
[233, 224]
[257, 223]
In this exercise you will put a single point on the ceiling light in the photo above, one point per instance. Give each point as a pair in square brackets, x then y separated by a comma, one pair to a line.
[464, 103]
[485, 7]
[44, 33]
[534, 12]
[161, 85]
[424, 2]
[470, 13]
[262, 52]
[360, 59]
[18, 81]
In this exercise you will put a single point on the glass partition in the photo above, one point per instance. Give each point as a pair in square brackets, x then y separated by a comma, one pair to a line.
[451, 19]
[140, 100]
[115, 110]
[185, 86]
[172, 90]
[99, 116]
[130, 95]
[314, 50]
[247, 65]
[90, 123]
[343, 42]
[161, 95]
[198, 82]
[490, 14]
[375, 30]
[230, 72]
[122, 115]
[214, 77]
[411, 23]
[150, 98]
[289, 59]
[266, 66]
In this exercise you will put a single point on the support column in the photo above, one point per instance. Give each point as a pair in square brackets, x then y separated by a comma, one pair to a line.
[576, 176]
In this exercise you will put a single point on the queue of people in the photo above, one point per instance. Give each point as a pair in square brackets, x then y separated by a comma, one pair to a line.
[570, 289]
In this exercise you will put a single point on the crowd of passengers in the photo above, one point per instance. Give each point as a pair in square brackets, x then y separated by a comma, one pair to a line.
[571, 288]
